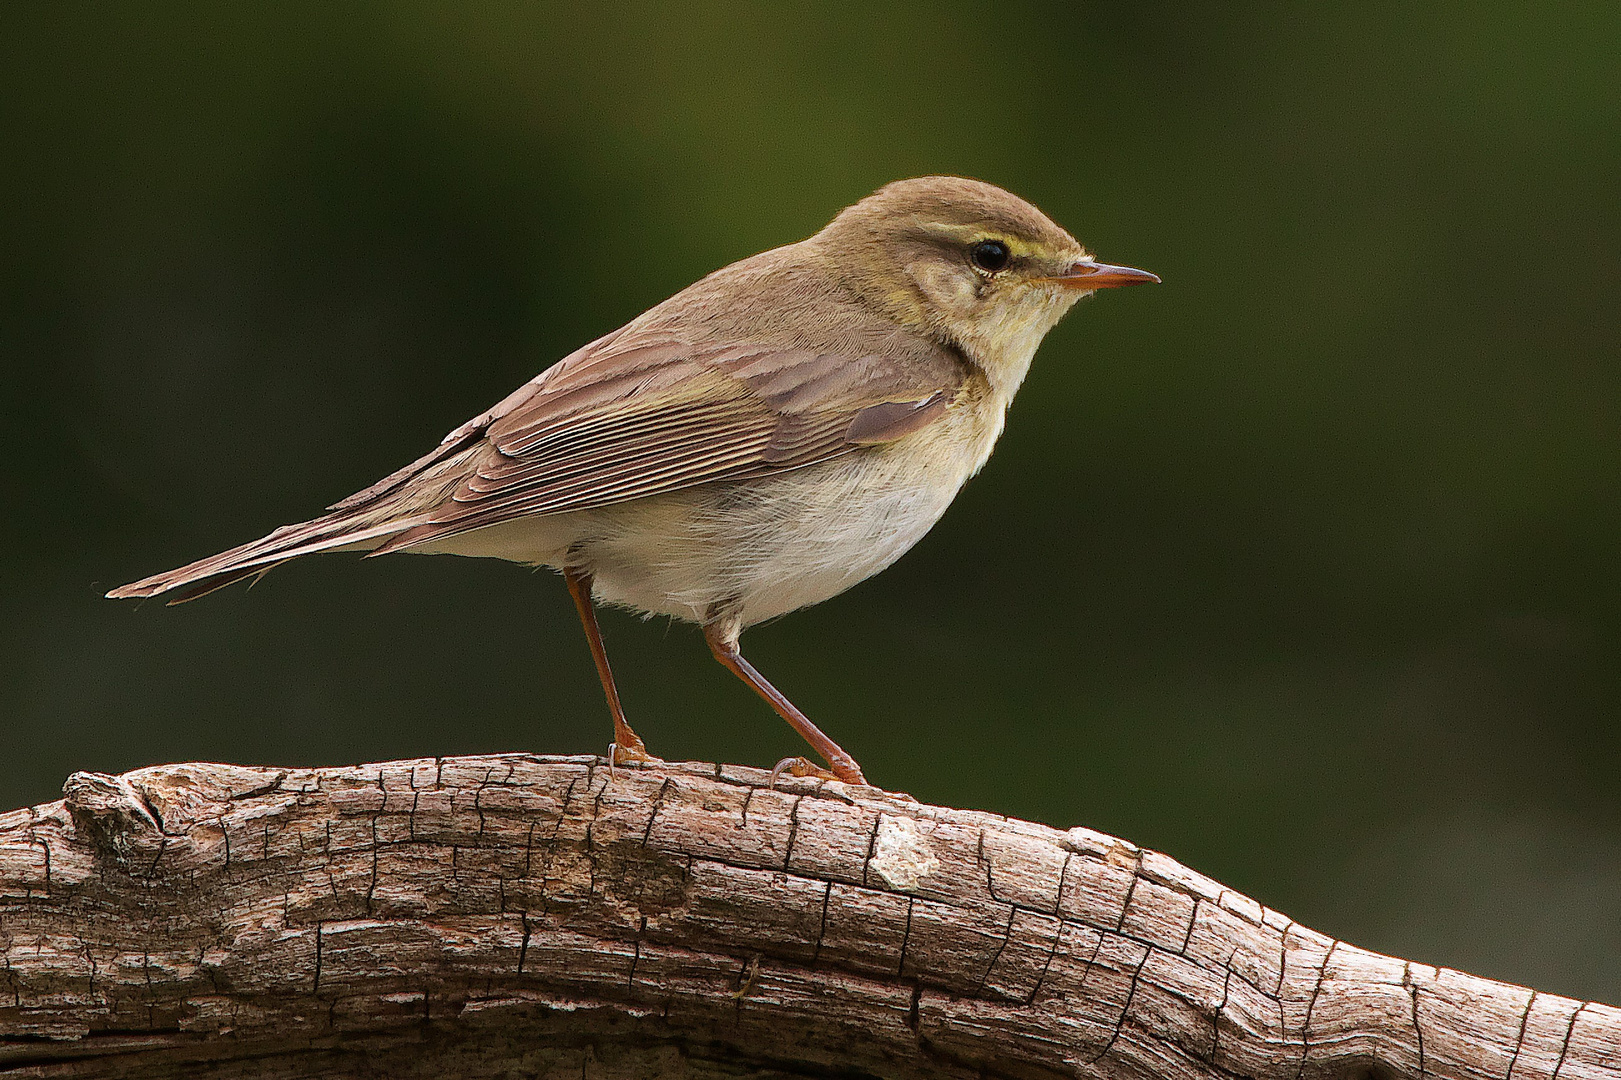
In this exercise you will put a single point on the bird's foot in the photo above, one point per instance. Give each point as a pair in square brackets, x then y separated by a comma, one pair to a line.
[848, 772]
[629, 754]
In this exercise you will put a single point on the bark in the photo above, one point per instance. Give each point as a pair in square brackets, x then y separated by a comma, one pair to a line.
[523, 916]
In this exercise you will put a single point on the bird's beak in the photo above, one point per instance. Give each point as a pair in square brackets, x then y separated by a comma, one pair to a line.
[1086, 276]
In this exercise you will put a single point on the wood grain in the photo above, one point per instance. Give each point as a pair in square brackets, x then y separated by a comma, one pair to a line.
[525, 916]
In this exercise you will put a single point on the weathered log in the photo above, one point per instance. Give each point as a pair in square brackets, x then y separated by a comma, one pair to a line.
[525, 916]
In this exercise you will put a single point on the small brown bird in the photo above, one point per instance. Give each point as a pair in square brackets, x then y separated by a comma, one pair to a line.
[759, 442]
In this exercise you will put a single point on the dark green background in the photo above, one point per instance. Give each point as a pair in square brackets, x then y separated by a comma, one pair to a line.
[1302, 567]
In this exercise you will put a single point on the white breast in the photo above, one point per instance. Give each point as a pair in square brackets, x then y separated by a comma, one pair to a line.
[769, 546]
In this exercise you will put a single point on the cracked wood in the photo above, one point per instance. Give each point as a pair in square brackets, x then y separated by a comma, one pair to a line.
[515, 915]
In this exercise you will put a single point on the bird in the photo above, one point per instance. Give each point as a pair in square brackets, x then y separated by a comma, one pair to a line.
[759, 442]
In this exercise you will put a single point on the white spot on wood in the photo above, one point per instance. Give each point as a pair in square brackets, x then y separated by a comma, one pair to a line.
[902, 855]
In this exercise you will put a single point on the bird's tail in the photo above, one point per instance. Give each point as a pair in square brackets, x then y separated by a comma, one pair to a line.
[331, 532]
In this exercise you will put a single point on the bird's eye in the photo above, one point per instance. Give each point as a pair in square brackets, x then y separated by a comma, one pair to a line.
[990, 255]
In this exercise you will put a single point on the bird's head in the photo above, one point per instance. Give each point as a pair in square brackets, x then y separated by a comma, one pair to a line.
[968, 264]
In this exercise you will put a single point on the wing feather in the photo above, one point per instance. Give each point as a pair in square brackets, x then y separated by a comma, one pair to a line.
[638, 418]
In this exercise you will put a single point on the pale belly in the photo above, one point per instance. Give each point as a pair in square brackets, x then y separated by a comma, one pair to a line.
[758, 549]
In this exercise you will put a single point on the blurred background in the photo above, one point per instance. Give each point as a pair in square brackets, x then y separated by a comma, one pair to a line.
[1302, 567]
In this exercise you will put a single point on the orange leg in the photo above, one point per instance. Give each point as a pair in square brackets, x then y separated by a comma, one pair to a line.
[722, 641]
[627, 745]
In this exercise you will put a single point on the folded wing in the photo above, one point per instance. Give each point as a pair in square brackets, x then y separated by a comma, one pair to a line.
[632, 422]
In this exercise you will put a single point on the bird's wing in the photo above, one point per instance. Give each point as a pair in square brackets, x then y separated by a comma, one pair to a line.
[636, 418]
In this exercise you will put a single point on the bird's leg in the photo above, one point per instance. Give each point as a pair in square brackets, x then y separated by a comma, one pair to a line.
[627, 745]
[722, 634]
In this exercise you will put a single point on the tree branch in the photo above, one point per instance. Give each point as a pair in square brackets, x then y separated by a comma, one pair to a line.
[514, 915]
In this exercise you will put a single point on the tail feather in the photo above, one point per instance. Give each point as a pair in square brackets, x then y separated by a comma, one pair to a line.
[208, 585]
[328, 533]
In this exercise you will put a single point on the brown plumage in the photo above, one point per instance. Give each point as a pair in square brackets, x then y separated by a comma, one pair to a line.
[760, 441]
